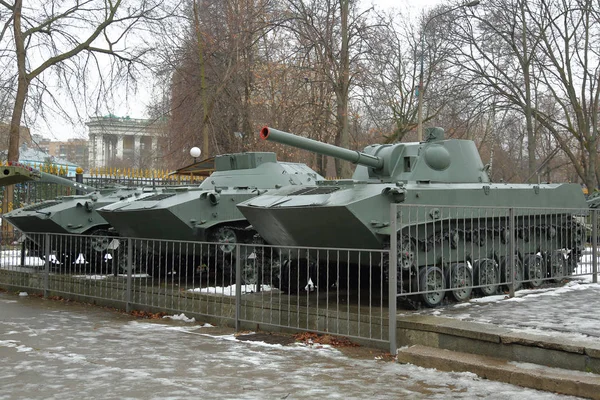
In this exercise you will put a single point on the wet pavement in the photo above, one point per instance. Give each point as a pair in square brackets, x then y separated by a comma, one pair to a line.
[64, 350]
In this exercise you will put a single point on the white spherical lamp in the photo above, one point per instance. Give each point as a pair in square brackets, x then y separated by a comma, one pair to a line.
[195, 152]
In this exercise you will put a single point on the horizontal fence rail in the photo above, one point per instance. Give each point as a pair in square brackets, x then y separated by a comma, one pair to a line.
[32, 192]
[440, 255]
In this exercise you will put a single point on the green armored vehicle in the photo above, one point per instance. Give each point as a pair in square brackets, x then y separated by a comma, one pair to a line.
[438, 247]
[207, 213]
[70, 215]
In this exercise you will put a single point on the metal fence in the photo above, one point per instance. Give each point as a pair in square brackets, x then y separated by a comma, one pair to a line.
[440, 255]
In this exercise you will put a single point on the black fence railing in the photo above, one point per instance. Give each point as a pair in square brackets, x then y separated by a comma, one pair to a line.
[460, 254]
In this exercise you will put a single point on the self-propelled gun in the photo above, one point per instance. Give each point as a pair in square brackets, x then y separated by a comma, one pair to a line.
[451, 221]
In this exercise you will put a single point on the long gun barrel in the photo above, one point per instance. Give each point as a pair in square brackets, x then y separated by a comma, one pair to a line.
[289, 139]
[17, 173]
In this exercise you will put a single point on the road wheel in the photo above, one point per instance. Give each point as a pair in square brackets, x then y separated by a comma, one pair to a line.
[556, 264]
[535, 271]
[505, 272]
[226, 239]
[432, 283]
[460, 279]
[486, 275]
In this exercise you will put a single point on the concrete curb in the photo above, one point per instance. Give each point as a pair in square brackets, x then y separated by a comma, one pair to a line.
[574, 383]
[497, 341]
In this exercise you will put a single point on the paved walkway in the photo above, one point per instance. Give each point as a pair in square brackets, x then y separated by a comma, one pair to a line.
[63, 350]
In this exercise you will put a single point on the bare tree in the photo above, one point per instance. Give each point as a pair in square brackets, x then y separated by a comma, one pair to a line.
[334, 33]
[57, 43]
[541, 58]
[213, 75]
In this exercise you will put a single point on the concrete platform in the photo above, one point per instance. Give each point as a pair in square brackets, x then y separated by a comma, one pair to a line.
[545, 360]
[497, 341]
[533, 376]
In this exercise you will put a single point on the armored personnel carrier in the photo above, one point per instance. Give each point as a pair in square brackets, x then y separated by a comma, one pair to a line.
[207, 213]
[439, 248]
[69, 215]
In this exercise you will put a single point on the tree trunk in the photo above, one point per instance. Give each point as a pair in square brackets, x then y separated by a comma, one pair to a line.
[342, 138]
[22, 87]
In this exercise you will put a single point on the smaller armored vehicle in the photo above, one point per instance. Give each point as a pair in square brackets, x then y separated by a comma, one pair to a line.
[452, 224]
[74, 215]
[206, 213]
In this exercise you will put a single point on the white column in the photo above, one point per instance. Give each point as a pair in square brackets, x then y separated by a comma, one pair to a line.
[98, 151]
[137, 151]
[107, 145]
[154, 151]
[119, 149]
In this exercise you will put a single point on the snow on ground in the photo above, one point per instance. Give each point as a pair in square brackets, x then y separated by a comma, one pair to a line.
[230, 290]
[568, 309]
[180, 317]
[569, 312]
[73, 351]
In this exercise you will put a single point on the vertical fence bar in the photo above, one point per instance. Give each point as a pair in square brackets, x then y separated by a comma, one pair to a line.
[393, 277]
[512, 251]
[129, 272]
[46, 263]
[23, 250]
[595, 246]
[238, 287]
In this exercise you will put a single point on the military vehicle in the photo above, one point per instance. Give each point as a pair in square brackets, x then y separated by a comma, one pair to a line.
[438, 248]
[15, 173]
[68, 215]
[206, 213]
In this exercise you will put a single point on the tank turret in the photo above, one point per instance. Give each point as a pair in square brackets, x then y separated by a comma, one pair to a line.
[435, 160]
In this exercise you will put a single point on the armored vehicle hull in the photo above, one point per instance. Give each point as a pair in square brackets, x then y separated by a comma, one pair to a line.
[207, 213]
[75, 215]
[449, 217]
[361, 214]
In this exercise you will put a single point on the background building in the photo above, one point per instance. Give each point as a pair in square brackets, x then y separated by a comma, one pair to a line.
[123, 142]
[74, 150]
[24, 136]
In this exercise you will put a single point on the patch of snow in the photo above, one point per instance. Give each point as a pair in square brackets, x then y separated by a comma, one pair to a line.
[538, 367]
[489, 299]
[459, 305]
[180, 317]
[15, 345]
[91, 277]
[23, 294]
[230, 290]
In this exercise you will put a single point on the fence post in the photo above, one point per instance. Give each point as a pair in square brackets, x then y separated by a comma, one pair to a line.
[393, 277]
[46, 263]
[23, 250]
[512, 250]
[238, 286]
[594, 246]
[129, 270]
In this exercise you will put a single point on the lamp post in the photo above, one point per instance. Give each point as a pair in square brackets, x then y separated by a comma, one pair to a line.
[195, 152]
[421, 87]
